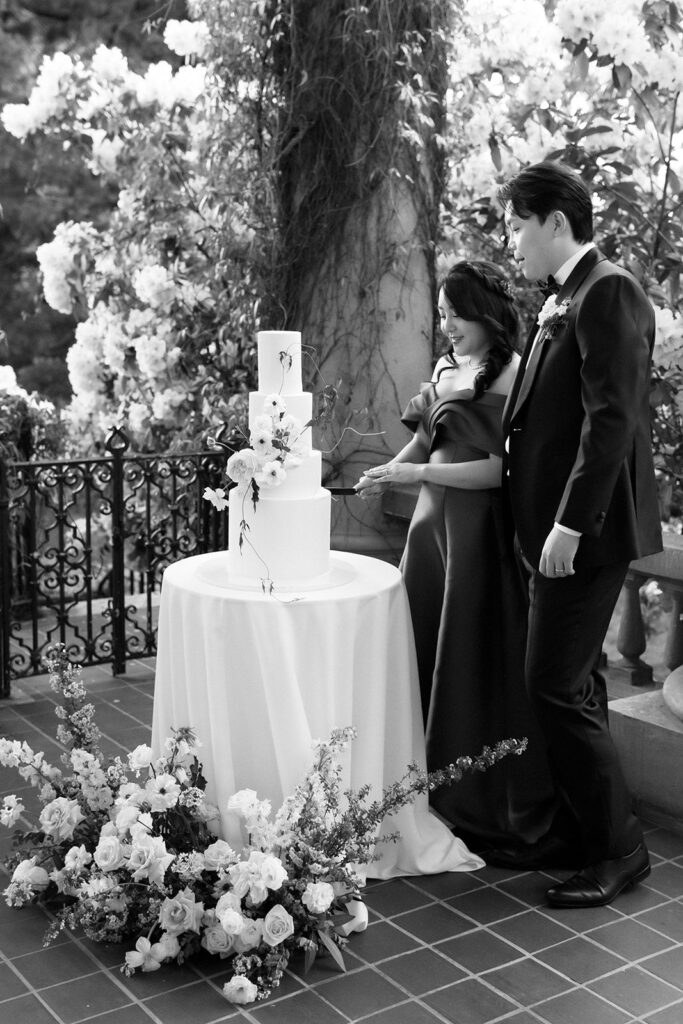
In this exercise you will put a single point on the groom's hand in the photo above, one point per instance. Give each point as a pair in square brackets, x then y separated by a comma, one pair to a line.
[557, 557]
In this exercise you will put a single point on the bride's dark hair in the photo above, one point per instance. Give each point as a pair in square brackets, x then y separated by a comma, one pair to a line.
[478, 290]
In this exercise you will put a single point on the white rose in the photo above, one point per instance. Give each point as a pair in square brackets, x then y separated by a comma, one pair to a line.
[240, 990]
[273, 873]
[59, 818]
[242, 465]
[317, 897]
[149, 858]
[181, 914]
[216, 940]
[231, 920]
[258, 891]
[140, 758]
[219, 855]
[77, 858]
[278, 925]
[32, 874]
[110, 853]
[250, 936]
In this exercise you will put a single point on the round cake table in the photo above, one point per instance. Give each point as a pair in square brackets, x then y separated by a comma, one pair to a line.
[259, 677]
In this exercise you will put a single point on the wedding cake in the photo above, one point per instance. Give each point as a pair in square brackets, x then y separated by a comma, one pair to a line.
[279, 514]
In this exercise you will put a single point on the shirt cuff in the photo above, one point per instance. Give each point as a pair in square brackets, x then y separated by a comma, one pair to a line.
[565, 529]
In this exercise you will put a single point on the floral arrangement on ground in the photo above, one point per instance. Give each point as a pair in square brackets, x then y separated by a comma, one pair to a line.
[125, 852]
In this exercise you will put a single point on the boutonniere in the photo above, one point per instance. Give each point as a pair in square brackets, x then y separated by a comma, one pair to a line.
[553, 315]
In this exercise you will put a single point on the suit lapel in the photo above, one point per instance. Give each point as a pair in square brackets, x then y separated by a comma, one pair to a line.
[529, 368]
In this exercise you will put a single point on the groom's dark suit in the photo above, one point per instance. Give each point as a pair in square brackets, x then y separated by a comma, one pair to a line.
[579, 454]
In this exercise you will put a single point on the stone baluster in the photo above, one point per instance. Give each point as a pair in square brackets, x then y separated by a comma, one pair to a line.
[673, 652]
[631, 640]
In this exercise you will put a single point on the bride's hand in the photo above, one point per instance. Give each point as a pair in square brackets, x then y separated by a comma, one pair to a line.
[369, 487]
[376, 480]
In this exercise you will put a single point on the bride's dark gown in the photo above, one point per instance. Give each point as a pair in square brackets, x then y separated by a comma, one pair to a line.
[468, 603]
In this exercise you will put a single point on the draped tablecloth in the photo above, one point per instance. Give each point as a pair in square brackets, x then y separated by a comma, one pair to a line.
[260, 677]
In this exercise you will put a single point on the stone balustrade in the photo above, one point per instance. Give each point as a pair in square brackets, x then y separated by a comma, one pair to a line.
[667, 569]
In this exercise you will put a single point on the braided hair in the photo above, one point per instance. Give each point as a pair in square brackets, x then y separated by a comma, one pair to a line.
[479, 291]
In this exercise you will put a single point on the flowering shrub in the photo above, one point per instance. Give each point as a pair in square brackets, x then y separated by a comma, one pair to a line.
[597, 86]
[126, 850]
[159, 291]
[30, 426]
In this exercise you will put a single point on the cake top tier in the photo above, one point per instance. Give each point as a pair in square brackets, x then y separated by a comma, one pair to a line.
[279, 362]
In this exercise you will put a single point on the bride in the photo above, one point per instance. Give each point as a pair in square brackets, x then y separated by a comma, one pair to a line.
[467, 598]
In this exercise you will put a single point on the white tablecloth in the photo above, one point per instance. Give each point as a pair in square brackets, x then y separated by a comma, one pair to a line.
[260, 678]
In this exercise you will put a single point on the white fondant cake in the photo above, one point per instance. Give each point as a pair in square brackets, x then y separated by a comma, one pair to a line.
[283, 537]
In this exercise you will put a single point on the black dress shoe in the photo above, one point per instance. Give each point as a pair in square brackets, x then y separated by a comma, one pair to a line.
[598, 884]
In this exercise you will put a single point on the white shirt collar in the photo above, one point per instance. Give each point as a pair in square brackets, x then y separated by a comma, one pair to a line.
[565, 270]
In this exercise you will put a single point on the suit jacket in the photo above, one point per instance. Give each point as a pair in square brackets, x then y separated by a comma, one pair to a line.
[578, 424]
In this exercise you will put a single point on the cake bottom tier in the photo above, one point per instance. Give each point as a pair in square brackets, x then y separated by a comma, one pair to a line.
[283, 540]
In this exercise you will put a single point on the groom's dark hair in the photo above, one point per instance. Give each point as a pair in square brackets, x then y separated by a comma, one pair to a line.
[542, 188]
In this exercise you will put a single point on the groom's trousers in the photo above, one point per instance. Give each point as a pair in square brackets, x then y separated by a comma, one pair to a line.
[568, 620]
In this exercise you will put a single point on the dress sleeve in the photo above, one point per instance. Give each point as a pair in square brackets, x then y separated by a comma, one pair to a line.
[417, 407]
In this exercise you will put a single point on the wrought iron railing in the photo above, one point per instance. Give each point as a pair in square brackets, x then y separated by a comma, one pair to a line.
[78, 537]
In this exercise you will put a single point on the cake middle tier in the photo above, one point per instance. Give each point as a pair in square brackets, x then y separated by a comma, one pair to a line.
[300, 406]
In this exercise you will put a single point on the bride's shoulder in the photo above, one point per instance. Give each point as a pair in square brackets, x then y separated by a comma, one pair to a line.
[444, 365]
[503, 381]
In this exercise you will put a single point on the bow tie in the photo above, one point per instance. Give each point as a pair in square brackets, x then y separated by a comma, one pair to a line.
[551, 286]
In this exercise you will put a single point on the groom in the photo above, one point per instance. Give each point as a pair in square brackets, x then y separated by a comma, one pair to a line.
[580, 482]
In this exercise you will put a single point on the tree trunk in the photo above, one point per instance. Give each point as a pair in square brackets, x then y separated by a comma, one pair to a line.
[359, 180]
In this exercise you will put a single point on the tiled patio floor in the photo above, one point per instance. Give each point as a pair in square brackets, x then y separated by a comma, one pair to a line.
[463, 948]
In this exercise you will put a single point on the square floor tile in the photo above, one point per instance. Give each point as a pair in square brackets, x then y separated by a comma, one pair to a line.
[361, 993]
[672, 1015]
[530, 888]
[84, 997]
[666, 878]
[27, 928]
[379, 941]
[580, 1007]
[422, 971]
[452, 883]
[127, 1015]
[637, 898]
[583, 919]
[406, 1013]
[395, 897]
[479, 951]
[11, 984]
[487, 905]
[528, 982]
[199, 1003]
[666, 844]
[668, 966]
[630, 939]
[532, 931]
[635, 991]
[434, 923]
[469, 1002]
[25, 1010]
[581, 960]
[666, 918]
[145, 984]
[302, 1008]
[54, 965]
